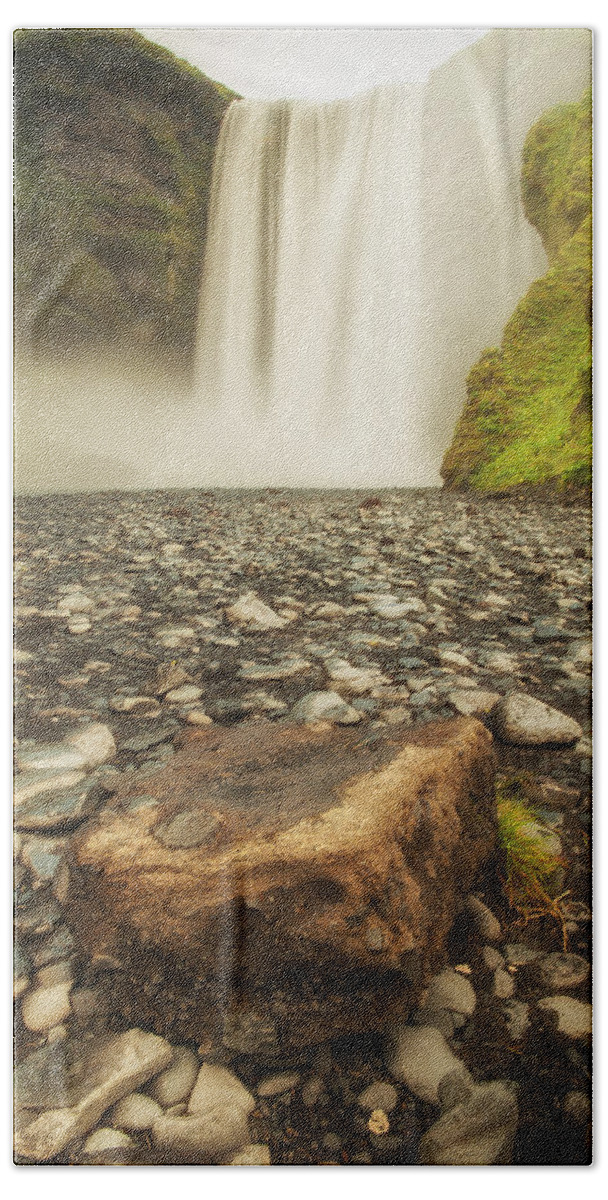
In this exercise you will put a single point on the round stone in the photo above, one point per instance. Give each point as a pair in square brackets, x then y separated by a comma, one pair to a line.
[504, 984]
[46, 1006]
[106, 1139]
[60, 757]
[420, 1057]
[487, 924]
[95, 742]
[187, 829]
[577, 1107]
[184, 695]
[452, 991]
[76, 603]
[324, 706]
[196, 716]
[79, 625]
[562, 971]
[136, 1112]
[519, 955]
[378, 1096]
[277, 1085]
[574, 1018]
[492, 958]
[174, 1085]
[206, 1137]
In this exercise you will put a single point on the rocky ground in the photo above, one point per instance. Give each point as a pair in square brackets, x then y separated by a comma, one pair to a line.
[142, 614]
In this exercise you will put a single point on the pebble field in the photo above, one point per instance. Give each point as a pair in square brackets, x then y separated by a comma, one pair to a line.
[142, 614]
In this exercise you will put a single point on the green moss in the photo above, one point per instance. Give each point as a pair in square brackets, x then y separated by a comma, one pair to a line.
[114, 144]
[532, 869]
[527, 419]
[556, 173]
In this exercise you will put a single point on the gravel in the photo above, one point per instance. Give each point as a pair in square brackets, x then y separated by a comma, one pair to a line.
[143, 615]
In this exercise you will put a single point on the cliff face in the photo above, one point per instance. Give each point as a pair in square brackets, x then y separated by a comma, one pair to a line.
[527, 420]
[114, 141]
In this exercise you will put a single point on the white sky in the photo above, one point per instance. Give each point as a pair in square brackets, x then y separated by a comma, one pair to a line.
[311, 63]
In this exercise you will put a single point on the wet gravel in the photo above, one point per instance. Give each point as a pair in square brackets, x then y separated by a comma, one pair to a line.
[436, 594]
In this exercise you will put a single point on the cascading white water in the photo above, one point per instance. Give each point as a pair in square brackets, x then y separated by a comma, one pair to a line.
[311, 301]
[360, 255]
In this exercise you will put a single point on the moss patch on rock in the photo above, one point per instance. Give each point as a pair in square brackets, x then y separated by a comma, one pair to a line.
[114, 143]
[527, 419]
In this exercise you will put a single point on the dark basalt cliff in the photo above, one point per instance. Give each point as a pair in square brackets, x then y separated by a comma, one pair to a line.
[114, 142]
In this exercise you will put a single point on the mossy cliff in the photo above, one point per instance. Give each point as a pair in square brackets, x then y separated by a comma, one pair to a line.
[114, 142]
[527, 419]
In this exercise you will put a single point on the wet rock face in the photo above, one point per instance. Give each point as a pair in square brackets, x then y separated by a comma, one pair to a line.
[288, 870]
[108, 125]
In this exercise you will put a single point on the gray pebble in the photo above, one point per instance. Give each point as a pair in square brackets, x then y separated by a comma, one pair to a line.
[187, 830]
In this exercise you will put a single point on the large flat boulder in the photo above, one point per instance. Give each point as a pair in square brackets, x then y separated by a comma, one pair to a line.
[284, 883]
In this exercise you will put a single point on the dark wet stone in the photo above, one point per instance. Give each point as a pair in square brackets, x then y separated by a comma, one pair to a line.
[38, 914]
[21, 963]
[58, 811]
[143, 741]
[549, 632]
[226, 710]
[43, 1079]
[59, 945]
[365, 704]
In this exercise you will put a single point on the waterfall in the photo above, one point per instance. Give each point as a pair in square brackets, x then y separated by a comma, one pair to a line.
[360, 255]
[312, 290]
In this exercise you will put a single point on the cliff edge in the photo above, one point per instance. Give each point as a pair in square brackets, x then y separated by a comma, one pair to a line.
[114, 142]
[527, 418]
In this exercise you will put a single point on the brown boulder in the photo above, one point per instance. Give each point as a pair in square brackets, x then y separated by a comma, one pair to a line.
[297, 880]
